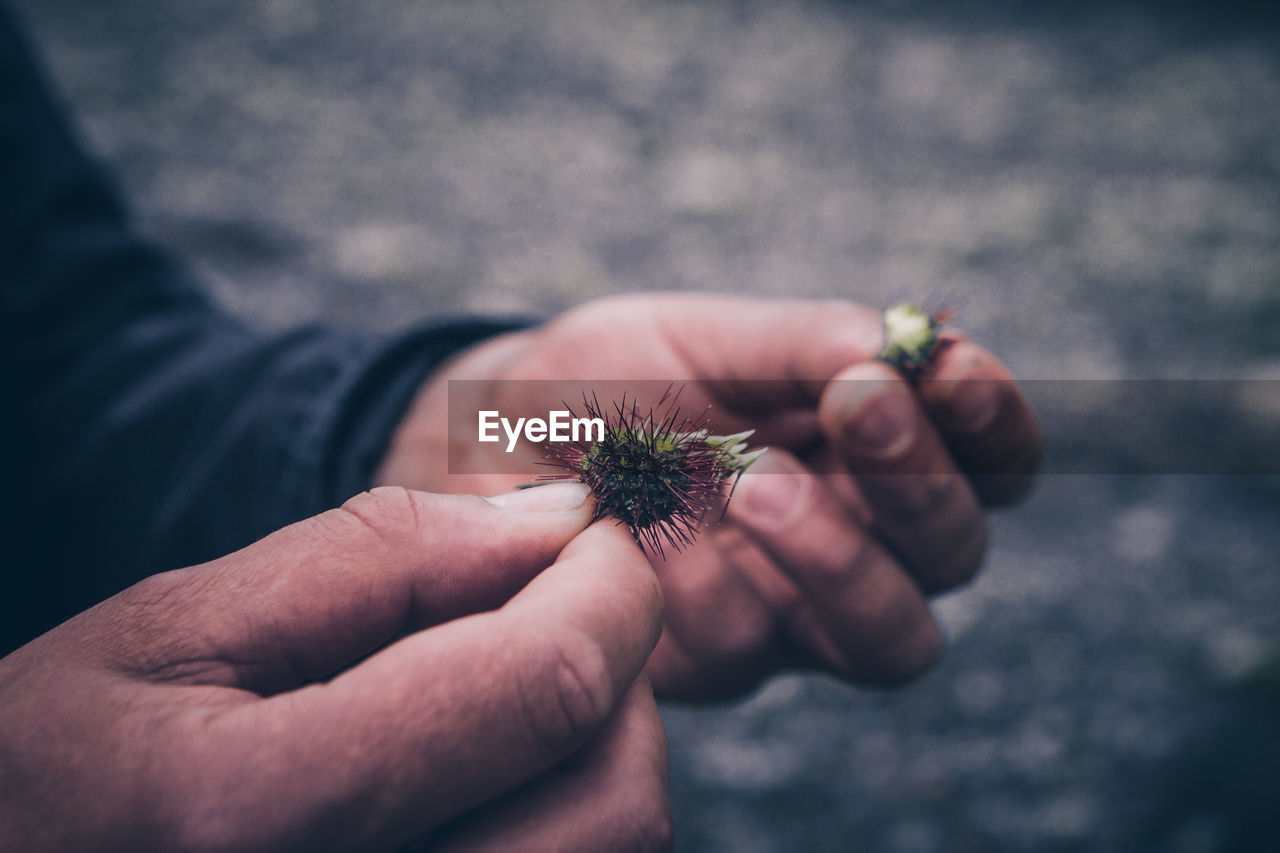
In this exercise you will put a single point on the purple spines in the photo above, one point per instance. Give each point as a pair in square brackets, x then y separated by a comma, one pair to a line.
[659, 472]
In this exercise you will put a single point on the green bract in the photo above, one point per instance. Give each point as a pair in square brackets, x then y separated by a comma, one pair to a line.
[910, 337]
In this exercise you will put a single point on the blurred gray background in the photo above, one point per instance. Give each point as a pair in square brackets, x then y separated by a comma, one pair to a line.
[1099, 183]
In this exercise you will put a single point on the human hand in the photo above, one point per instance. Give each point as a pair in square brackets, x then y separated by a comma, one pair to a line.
[407, 666]
[831, 543]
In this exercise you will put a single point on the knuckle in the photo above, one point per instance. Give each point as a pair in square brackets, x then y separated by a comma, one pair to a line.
[389, 515]
[566, 698]
[149, 610]
[158, 591]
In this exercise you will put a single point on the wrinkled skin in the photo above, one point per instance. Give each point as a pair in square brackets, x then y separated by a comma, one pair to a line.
[347, 684]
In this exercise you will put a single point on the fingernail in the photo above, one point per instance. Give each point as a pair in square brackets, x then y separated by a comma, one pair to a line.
[773, 485]
[882, 423]
[551, 497]
[972, 403]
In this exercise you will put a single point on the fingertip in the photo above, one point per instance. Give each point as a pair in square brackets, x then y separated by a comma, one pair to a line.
[988, 423]
[871, 414]
[556, 496]
[965, 388]
[774, 491]
[608, 533]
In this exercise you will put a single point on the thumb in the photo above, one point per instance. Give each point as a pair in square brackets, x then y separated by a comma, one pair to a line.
[449, 718]
[318, 595]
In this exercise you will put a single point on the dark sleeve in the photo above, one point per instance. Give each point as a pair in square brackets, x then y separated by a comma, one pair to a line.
[144, 429]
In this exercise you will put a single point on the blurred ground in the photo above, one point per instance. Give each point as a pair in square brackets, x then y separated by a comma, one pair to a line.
[1100, 183]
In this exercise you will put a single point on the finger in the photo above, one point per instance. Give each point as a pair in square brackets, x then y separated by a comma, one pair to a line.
[922, 505]
[443, 720]
[985, 420]
[310, 599]
[862, 601]
[766, 354]
[826, 462]
[716, 658]
[794, 347]
[611, 795]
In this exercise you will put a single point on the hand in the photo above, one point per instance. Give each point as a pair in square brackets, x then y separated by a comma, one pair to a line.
[347, 684]
[869, 499]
